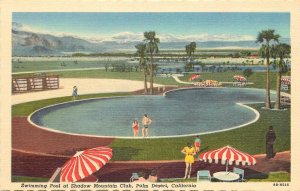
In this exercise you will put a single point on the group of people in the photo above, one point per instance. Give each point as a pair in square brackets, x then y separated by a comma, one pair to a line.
[146, 121]
[151, 178]
[191, 150]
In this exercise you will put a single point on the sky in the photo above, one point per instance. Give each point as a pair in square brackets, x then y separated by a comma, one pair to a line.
[178, 24]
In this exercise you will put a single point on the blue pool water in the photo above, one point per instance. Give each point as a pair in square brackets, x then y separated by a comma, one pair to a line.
[180, 112]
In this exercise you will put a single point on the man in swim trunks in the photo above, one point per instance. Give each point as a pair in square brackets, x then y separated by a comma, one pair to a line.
[146, 121]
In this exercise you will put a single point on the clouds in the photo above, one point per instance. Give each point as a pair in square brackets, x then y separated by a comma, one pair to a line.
[125, 37]
[128, 36]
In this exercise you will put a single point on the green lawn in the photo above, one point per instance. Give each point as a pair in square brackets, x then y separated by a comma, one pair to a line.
[258, 78]
[28, 179]
[271, 177]
[26, 66]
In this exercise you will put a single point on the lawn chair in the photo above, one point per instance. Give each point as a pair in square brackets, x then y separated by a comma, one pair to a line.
[203, 175]
[285, 87]
[134, 177]
[240, 172]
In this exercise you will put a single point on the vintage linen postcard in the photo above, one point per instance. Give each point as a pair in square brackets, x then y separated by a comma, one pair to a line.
[141, 95]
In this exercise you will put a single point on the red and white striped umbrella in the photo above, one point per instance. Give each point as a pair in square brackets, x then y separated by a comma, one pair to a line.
[228, 155]
[286, 81]
[239, 78]
[194, 76]
[85, 163]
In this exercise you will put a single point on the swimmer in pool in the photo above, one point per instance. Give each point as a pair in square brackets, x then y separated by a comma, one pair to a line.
[146, 121]
[135, 128]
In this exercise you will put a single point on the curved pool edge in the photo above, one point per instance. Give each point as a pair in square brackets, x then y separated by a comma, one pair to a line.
[188, 88]
[257, 115]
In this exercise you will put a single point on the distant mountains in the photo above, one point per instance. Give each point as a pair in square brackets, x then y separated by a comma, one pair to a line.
[28, 43]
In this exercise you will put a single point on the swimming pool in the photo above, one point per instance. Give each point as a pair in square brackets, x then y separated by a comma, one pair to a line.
[178, 113]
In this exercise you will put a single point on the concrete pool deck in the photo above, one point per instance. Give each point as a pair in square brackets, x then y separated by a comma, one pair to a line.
[85, 86]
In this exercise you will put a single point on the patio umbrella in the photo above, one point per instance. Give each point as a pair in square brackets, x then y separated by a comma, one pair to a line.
[286, 81]
[85, 163]
[228, 155]
[194, 76]
[239, 78]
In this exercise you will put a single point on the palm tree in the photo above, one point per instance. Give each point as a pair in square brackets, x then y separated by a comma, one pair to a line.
[152, 47]
[265, 37]
[193, 46]
[188, 51]
[141, 53]
[193, 49]
[282, 51]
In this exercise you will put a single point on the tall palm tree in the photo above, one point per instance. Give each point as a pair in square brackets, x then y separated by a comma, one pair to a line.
[141, 53]
[188, 50]
[152, 44]
[266, 37]
[282, 51]
[193, 46]
[193, 49]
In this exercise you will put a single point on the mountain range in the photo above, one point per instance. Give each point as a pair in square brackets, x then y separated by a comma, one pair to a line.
[32, 43]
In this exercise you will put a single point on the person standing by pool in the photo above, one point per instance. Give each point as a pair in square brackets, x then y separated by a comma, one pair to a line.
[135, 127]
[189, 152]
[270, 139]
[146, 121]
[197, 143]
[74, 94]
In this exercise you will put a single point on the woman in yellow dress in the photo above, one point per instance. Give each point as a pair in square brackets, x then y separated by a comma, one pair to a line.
[189, 152]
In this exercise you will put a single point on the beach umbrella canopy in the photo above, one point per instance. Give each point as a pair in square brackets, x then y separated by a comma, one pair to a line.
[239, 78]
[194, 76]
[85, 163]
[228, 155]
[286, 81]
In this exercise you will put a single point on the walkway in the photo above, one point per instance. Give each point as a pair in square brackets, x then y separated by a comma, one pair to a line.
[85, 86]
[180, 81]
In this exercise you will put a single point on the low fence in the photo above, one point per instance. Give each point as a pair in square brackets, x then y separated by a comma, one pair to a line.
[35, 83]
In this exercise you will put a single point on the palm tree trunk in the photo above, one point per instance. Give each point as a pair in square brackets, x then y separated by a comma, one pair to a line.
[151, 74]
[267, 99]
[277, 104]
[145, 79]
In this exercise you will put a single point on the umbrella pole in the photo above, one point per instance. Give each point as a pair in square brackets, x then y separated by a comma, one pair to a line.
[226, 165]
